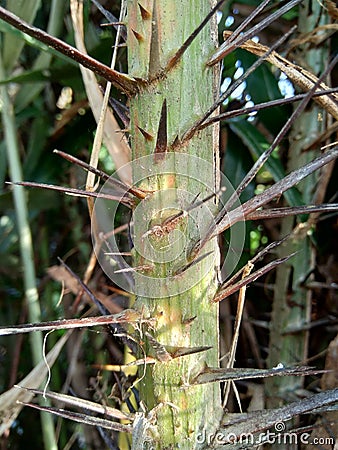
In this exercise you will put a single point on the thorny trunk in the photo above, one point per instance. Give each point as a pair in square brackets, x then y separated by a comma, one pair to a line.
[177, 326]
[155, 31]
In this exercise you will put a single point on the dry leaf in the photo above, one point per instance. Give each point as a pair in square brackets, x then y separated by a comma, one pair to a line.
[114, 140]
[9, 406]
[61, 274]
[332, 9]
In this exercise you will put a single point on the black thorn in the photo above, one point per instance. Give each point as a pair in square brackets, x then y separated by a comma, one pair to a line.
[121, 110]
[148, 137]
[138, 35]
[178, 55]
[193, 263]
[162, 138]
[146, 15]
[176, 142]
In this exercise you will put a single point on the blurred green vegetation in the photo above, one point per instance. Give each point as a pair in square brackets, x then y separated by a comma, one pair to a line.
[60, 224]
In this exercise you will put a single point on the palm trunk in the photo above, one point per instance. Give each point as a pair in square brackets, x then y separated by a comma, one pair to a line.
[183, 313]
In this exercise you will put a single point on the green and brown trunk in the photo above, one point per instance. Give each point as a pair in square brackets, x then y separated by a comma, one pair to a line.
[156, 30]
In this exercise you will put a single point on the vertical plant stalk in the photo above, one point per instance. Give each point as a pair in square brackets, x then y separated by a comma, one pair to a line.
[159, 114]
[26, 247]
[292, 301]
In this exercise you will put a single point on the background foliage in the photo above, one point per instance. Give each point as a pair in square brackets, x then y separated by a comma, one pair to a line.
[37, 82]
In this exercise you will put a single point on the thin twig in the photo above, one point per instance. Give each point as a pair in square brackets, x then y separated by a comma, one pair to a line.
[256, 258]
[275, 213]
[229, 45]
[299, 76]
[261, 106]
[275, 191]
[195, 127]
[240, 308]
[104, 176]
[224, 293]
[120, 80]
[217, 223]
[75, 192]
[280, 136]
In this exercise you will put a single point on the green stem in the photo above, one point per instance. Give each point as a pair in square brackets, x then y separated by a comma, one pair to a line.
[164, 110]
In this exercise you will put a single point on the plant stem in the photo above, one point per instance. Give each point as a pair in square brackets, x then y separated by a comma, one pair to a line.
[164, 110]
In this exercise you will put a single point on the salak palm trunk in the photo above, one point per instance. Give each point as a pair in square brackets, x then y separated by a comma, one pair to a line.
[176, 173]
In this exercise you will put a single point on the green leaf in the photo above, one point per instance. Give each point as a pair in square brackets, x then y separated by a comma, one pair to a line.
[54, 27]
[236, 164]
[28, 76]
[262, 85]
[12, 46]
[257, 144]
[8, 29]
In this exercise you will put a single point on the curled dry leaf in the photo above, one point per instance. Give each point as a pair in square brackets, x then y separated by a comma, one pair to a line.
[332, 9]
[315, 37]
